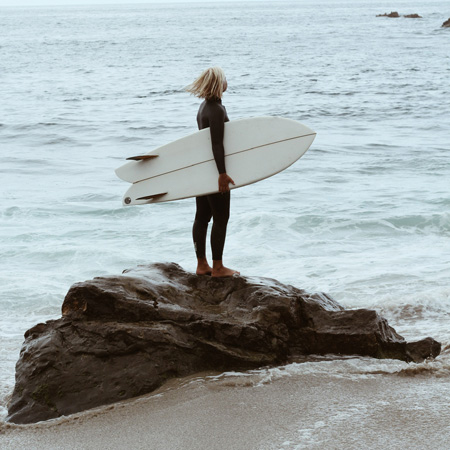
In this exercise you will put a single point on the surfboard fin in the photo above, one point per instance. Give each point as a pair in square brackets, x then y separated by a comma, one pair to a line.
[152, 197]
[142, 157]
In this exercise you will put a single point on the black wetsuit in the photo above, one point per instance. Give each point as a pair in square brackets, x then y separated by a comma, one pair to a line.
[212, 114]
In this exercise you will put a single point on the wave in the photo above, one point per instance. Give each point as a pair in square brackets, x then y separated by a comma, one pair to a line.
[437, 224]
[334, 366]
[162, 93]
[418, 309]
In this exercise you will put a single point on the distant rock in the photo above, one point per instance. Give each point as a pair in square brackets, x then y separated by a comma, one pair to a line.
[413, 16]
[392, 14]
[446, 24]
[124, 336]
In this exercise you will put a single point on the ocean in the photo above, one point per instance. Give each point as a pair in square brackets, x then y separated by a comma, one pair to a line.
[364, 215]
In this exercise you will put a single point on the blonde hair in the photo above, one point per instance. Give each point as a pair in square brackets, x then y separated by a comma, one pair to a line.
[209, 84]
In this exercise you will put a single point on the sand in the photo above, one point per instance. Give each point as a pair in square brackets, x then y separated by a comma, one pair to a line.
[312, 411]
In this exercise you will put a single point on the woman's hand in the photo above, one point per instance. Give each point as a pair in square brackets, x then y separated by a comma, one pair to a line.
[224, 182]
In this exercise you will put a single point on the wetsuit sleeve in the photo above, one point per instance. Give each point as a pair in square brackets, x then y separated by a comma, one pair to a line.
[216, 126]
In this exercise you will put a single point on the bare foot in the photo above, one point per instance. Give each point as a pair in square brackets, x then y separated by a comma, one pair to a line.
[224, 272]
[204, 272]
[203, 268]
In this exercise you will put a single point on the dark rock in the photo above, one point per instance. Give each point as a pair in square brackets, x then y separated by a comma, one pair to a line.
[392, 14]
[124, 336]
[416, 350]
[446, 24]
[413, 16]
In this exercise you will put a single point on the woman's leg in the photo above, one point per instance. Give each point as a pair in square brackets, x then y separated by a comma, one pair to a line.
[220, 207]
[202, 217]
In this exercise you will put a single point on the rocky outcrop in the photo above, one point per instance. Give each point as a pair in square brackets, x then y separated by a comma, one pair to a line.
[391, 14]
[396, 14]
[446, 24]
[124, 336]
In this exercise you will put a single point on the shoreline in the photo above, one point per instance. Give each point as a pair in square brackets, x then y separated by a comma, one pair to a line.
[292, 412]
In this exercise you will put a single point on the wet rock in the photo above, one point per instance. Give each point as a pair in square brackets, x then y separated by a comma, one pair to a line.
[124, 336]
[391, 14]
[413, 16]
[446, 24]
[417, 350]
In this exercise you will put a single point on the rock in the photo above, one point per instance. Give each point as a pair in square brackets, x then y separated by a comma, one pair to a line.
[416, 350]
[392, 14]
[413, 16]
[446, 24]
[124, 336]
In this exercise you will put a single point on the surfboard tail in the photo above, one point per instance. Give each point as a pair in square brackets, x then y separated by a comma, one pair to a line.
[129, 201]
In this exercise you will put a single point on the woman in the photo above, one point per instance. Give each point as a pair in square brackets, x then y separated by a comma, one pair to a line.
[210, 86]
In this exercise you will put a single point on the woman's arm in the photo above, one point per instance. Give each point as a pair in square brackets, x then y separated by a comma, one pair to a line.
[216, 127]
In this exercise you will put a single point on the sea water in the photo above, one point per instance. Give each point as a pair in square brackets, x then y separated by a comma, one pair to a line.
[363, 216]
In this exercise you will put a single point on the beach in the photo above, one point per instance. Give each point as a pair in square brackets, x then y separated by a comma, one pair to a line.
[289, 411]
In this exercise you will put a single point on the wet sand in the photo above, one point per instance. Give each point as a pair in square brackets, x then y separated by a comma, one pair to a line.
[311, 411]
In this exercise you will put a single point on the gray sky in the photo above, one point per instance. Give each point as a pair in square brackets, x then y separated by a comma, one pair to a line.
[93, 2]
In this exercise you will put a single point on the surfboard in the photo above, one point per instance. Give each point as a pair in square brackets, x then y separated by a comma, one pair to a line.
[255, 149]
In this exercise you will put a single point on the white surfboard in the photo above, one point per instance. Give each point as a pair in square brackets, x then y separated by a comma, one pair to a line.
[255, 149]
